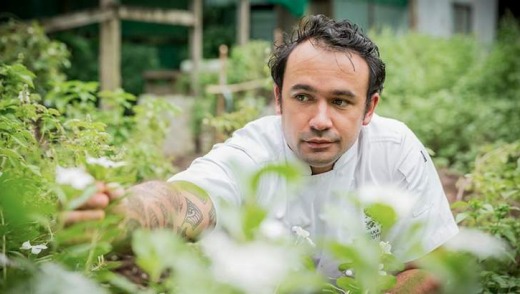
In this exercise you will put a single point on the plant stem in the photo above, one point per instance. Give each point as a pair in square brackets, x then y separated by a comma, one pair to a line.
[4, 268]
[93, 245]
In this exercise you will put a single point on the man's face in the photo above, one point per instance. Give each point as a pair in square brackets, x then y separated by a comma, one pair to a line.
[323, 103]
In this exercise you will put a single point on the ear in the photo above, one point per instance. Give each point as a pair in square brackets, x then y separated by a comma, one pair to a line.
[371, 109]
[277, 99]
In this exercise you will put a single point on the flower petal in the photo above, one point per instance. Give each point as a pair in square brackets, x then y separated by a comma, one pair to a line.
[35, 250]
[26, 245]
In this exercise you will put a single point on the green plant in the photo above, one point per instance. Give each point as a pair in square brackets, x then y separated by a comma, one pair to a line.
[44, 157]
[471, 91]
[246, 63]
[29, 45]
[493, 206]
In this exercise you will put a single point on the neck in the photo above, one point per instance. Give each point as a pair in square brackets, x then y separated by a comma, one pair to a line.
[316, 170]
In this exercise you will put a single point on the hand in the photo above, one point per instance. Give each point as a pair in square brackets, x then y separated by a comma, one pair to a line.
[416, 281]
[94, 207]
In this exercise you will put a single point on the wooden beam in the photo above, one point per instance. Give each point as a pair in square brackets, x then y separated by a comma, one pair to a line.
[233, 88]
[82, 18]
[73, 20]
[163, 16]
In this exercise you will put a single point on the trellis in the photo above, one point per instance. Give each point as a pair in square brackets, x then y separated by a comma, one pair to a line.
[109, 15]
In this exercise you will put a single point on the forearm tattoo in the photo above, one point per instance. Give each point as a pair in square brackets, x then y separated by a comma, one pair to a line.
[193, 214]
[161, 205]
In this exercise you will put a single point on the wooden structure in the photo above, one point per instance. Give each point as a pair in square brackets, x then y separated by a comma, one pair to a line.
[244, 16]
[109, 15]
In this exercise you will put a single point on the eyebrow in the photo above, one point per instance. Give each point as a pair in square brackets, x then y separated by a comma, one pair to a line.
[304, 87]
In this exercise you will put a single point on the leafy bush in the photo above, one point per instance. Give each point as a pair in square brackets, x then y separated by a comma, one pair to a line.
[28, 45]
[493, 205]
[49, 134]
[246, 63]
[452, 92]
[135, 60]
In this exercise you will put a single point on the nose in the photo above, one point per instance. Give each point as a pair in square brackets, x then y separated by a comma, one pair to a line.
[321, 120]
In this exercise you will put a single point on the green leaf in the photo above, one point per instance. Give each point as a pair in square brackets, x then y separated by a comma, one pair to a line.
[349, 284]
[23, 74]
[120, 282]
[153, 250]
[383, 214]
[344, 253]
[459, 205]
[78, 201]
[290, 172]
[252, 218]
[386, 282]
[53, 278]
[12, 155]
[461, 216]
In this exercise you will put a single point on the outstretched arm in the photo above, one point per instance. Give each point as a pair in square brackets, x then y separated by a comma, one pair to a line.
[182, 207]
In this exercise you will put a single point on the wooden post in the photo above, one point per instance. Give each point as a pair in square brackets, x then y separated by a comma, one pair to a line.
[196, 45]
[223, 56]
[110, 48]
[244, 15]
[277, 37]
[221, 100]
[412, 12]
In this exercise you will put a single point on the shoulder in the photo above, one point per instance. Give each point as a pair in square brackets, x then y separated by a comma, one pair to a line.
[261, 139]
[390, 149]
[384, 129]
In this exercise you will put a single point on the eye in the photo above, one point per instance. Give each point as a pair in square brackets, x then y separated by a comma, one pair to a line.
[301, 97]
[340, 102]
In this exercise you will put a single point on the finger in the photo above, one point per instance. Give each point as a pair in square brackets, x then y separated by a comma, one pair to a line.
[101, 187]
[97, 201]
[115, 190]
[75, 216]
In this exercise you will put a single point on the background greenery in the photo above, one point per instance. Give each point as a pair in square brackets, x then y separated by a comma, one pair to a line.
[461, 98]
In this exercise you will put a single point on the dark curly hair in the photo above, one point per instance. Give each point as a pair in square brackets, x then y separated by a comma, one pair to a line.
[334, 35]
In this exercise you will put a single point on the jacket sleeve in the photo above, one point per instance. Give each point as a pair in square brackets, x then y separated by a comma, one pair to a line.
[430, 223]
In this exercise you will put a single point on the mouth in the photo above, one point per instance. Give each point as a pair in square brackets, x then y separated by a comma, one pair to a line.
[318, 143]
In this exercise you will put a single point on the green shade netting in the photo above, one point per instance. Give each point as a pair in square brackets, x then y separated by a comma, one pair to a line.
[295, 7]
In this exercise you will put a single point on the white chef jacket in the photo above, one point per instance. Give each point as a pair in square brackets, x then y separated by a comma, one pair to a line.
[386, 154]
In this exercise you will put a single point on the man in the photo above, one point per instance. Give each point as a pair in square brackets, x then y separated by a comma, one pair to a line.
[328, 81]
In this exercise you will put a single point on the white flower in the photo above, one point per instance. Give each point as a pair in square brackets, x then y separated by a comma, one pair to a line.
[104, 162]
[303, 234]
[254, 267]
[35, 249]
[273, 229]
[386, 248]
[26, 245]
[401, 201]
[24, 94]
[478, 243]
[75, 177]
[300, 232]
